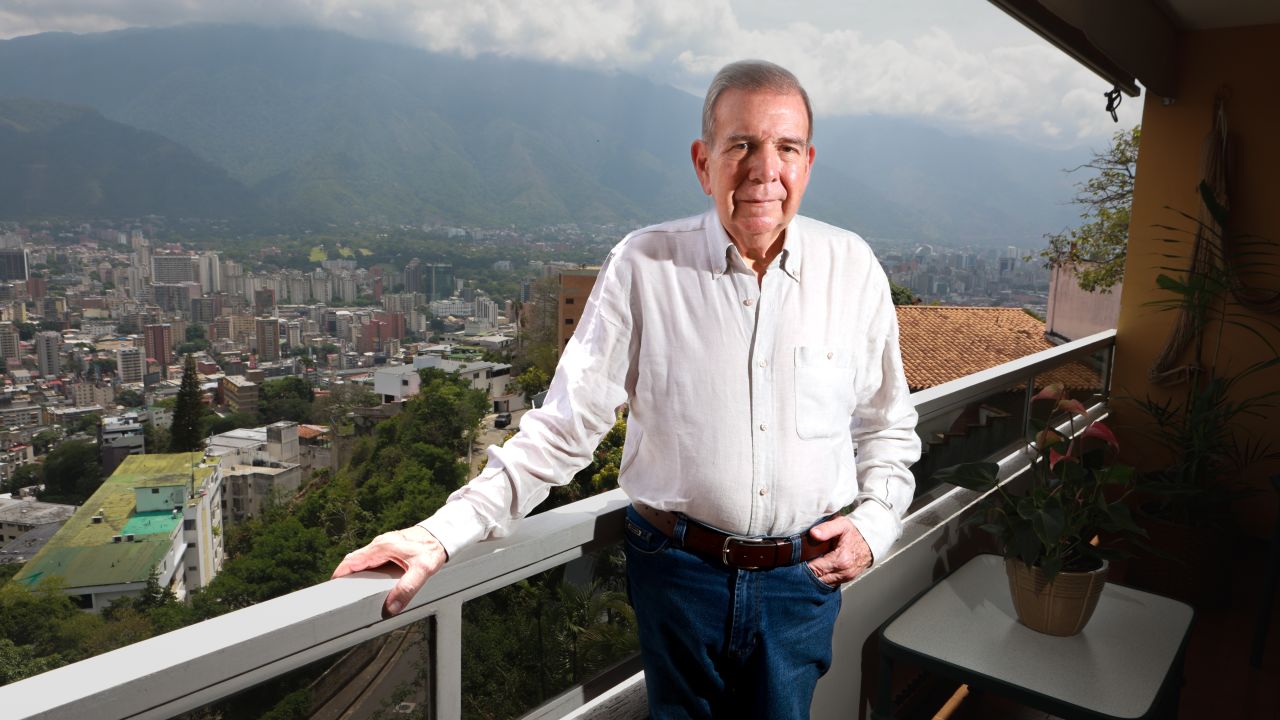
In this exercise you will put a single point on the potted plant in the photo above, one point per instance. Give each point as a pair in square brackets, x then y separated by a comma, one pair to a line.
[1059, 532]
[1187, 511]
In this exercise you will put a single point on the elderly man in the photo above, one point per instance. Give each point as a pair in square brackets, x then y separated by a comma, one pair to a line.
[758, 352]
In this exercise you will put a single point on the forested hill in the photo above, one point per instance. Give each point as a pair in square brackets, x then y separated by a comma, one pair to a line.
[64, 160]
[324, 127]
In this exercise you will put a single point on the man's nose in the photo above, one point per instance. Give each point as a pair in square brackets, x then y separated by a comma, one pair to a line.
[765, 165]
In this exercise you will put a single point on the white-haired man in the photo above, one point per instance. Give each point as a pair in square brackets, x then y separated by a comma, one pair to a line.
[758, 353]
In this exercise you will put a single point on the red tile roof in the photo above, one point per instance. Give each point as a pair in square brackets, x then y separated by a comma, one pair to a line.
[942, 343]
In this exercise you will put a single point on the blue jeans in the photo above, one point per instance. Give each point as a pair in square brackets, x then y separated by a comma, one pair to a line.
[724, 643]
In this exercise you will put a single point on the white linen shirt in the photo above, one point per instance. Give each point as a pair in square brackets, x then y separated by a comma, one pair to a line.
[756, 406]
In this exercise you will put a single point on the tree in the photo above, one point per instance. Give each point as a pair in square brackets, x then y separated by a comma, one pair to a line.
[902, 295]
[532, 381]
[130, 398]
[25, 476]
[285, 399]
[71, 472]
[184, 434]
[1096, 249]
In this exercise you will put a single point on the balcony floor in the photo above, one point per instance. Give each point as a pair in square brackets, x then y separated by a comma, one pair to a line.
[1219, 680]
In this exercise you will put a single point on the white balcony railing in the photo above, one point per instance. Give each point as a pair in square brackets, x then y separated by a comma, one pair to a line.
[197, 665]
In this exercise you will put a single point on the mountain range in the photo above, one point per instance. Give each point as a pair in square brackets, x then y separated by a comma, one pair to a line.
[311, 126]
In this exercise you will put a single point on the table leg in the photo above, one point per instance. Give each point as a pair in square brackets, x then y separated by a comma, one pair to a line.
[882, 709]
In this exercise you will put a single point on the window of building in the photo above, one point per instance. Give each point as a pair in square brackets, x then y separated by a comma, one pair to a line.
[569, 301]
[189, 524]
[155, 491]
[568, 321]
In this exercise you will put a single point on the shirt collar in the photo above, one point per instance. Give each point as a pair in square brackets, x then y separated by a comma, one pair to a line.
[719, 245]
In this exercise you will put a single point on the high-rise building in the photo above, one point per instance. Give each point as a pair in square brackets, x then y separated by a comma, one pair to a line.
[158, 341]
[204, 310]
[210, 272]
[48, 352]
[575, 288]
[293, 334]
[437, 281]
[173, 269]
[8, 343]
[268, 339]
[129, 365]
[13, 264]
[264, 301]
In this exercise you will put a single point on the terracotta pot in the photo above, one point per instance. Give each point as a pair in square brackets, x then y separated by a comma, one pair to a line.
[1059, 607]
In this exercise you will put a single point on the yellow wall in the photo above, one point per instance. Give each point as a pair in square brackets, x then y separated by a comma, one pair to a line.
[1244, 60]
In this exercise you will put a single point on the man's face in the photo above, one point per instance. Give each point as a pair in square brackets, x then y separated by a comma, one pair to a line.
[757, 165]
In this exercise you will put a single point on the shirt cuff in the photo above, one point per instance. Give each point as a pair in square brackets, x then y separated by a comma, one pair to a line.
[879, 527]
[456, 525]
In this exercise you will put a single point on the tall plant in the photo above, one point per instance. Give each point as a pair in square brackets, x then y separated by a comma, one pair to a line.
[1201, 426]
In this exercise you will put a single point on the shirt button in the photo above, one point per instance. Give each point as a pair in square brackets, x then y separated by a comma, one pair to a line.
[763, 427]
[764, 363]
[748, 302]
[764, 491]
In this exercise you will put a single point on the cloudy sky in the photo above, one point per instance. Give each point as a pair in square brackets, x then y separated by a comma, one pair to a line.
[957, 63]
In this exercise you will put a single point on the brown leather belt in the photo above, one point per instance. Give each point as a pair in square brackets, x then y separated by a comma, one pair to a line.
[736, 551]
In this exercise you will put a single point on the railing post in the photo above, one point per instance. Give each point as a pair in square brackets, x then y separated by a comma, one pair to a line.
[1108, 364]
[446, 651]
[1026, 408]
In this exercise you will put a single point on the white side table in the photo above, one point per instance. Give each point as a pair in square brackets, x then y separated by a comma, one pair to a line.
[1127, 663]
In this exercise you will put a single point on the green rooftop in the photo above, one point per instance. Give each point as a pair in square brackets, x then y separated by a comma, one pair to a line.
[83, 553]
[152, 523]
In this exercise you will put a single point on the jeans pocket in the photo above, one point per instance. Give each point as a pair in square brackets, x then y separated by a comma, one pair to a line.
[643, 537]
[813, 577]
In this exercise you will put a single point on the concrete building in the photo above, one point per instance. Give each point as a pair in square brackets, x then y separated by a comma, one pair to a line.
[21, 516]
[130, 365]
[8, 342]
[13, 264]
[575, 288]
[260, 465]
[491, 377]
[174, 269]
[209, 271]
[268, 337]
[239, 393]
[49, 353]
[158, 343]
[119, 437]
[156, 514]
[397, 382]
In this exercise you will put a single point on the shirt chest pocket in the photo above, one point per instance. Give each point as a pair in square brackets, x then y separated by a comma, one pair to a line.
[824, 391]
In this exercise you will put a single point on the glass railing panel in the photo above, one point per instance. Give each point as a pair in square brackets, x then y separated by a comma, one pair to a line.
[385, 678]
[972, 431]
[527, 643]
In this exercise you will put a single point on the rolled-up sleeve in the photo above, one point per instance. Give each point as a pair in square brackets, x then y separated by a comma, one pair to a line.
[884, 435]
[556, 440]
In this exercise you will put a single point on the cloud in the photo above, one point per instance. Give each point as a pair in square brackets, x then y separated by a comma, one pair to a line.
[1018, 85]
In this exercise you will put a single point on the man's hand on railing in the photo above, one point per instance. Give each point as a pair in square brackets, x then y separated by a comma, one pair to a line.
[414, 549]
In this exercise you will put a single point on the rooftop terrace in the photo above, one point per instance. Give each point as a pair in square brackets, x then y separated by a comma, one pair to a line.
[84, 552]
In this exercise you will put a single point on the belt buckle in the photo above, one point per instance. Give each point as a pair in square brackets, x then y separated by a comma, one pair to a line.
[741, 540]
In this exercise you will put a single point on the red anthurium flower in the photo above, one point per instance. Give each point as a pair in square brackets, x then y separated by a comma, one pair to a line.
[1055, 457]
[1050, 392]
[1103, 433]
[1074, 406]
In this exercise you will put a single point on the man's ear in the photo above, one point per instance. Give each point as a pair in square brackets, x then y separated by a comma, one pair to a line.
[701, 155]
